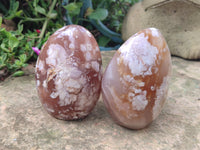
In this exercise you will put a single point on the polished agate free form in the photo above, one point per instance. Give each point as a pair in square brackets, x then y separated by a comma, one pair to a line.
[68, 73]
[135, 83]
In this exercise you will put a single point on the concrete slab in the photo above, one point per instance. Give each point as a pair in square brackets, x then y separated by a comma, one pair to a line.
[24, 125]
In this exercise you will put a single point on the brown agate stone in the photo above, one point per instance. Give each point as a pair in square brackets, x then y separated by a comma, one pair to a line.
[135, 83]
[68, 73]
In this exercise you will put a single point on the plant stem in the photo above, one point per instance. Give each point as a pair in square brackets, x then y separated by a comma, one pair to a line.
[47, 20]
[43, 29]
[33, 19]
[52, 7]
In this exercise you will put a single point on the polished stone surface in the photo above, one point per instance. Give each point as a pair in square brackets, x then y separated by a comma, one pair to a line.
[24, 124]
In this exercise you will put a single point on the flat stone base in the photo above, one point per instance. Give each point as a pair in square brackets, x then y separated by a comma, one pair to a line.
[25, 125]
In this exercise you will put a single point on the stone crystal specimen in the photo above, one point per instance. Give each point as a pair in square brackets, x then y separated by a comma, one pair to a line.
[135, 83]
[68, 73]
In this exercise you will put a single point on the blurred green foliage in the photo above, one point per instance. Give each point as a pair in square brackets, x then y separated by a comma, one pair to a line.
[102, 17]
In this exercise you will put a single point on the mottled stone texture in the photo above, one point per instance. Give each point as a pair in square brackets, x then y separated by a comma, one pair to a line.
[68, 73]
[135, 82]
[25, 125]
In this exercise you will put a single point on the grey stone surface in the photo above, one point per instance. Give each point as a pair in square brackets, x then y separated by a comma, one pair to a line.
[24, 125]
[178, 21]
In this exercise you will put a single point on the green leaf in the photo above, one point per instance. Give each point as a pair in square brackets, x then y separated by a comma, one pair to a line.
[24, 65]
[12, 10]
[4, 57]
[4, 33]
[53, 15]
[73, 8]
[99, 14]
[115, 23]
[0, 21]
[18, 63]
[3, 60]
[18, 74]
[40, 10]
[20, 28]
[103, 41]
[3, 47]
[21, 38]
[13, 42]
[88, 11]
[45, 4]
[35, 2]
[23, 58]
[18, 13]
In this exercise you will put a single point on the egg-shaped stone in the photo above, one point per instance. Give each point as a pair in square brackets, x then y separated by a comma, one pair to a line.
[135, 83]
[68, 73]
